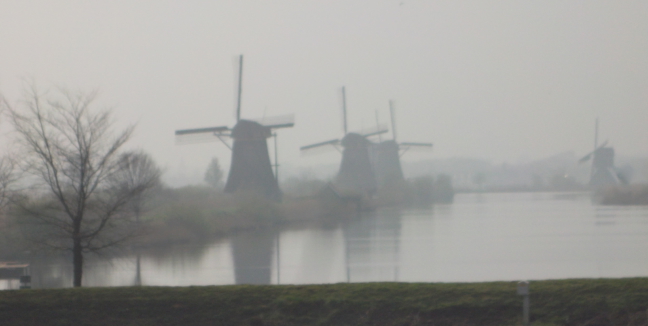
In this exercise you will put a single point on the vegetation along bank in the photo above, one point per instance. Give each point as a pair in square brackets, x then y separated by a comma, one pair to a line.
[558, 302]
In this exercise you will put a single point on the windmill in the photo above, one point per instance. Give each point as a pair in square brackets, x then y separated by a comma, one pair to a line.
[387, 155]
[603, 172]
[250, 169]
[355, 177]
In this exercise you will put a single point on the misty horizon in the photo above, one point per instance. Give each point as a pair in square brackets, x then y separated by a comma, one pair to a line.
[503, 82]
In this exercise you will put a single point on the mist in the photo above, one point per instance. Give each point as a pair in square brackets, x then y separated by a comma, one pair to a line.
[506, 82]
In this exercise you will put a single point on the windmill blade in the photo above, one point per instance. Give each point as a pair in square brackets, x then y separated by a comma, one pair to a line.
[344, 110]
[373, 131]
[196, 139]
[324, 143]
[416, 147]
[275, 122]
[201, 135]
[423, 145]
[238, 84]
[208, 130]
[586, 158]
[590, 154]
[393, 119]
[622, 178]
[624, 174]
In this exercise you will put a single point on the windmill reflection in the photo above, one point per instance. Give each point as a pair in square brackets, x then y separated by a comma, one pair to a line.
[138, 271]
[372, 247]
[252, 254]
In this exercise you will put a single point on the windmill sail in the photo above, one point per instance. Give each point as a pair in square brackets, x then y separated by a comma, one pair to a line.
[200, 135]
[275, 122]
[324, 143]
[356, 176]
[414, 147]
[392, 118]
[426, 145]
[210, 130]
[238, 85]
[250, 169]
[373, 131]
[592, 153]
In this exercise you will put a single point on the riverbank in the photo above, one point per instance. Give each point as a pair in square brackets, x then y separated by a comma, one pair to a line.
[559, 302]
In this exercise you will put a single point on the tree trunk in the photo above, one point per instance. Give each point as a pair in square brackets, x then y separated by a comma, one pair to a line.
[77, 255]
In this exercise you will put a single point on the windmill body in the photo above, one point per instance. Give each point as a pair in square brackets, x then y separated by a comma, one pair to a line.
[603, 172]
[387, 163]
[356, 176]
[251, 169]
[386, 156]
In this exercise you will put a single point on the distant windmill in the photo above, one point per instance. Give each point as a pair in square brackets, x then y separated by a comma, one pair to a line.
[387, 155]
[251, 168]
[356, 176]
[603, 172]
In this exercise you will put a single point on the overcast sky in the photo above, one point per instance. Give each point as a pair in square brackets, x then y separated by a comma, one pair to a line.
[506, 81]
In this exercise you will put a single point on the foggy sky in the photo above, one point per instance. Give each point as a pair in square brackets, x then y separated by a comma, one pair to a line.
[507, 81]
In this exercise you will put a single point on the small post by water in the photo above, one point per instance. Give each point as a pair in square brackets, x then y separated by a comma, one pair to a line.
[277, 249]
[276, 157]
[523, 290]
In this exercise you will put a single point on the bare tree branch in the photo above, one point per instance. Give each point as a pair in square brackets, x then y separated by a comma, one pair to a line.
[89, 188]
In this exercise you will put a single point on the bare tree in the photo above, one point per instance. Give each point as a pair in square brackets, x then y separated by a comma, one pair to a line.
[72, 154]
[8, 177]
[137, 169]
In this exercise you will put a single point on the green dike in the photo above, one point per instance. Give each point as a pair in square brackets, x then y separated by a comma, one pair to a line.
[561, 302]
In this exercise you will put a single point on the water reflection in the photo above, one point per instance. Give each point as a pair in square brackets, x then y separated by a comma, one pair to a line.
[252, 253]
[480, 237]
[372, 247]
[51, 271]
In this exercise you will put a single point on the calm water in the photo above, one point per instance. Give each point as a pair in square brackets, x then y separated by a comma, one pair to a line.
[481, 237]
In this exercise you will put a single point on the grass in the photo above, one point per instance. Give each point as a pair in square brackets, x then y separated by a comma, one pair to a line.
[563, 302]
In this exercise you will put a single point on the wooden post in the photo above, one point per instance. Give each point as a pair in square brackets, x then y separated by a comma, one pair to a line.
[523, 290]
[276, 157]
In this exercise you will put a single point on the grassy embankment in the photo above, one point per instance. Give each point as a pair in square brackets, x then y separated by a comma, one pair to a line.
[564, 302]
